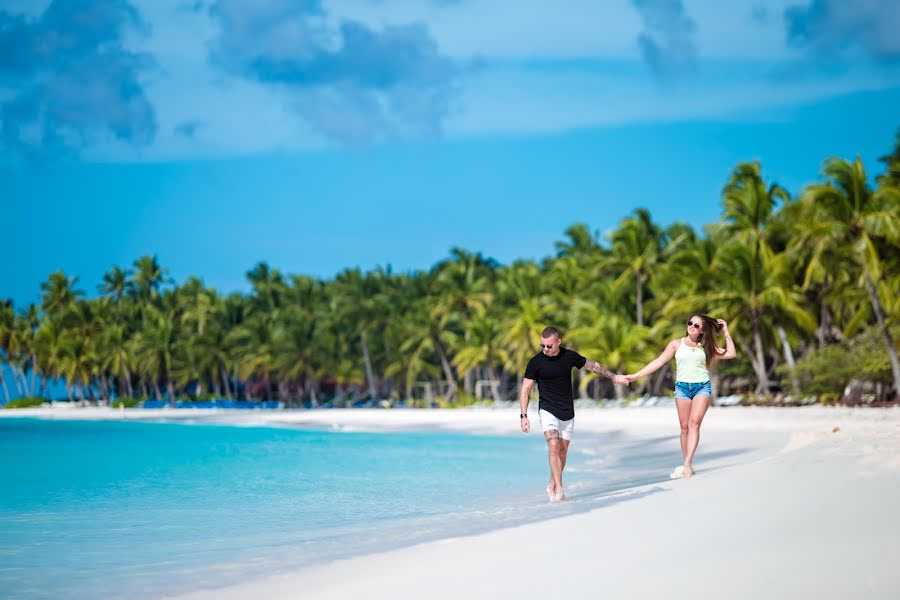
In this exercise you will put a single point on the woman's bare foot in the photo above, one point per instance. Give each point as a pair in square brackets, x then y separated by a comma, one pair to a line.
[688, 471]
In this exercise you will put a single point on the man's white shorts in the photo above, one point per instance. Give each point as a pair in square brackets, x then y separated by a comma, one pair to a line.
[549, 421]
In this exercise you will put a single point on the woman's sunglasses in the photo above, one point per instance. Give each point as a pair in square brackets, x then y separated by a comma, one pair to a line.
[694, 325]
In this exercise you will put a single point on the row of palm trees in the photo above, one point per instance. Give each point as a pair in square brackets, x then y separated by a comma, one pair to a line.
[793, 276]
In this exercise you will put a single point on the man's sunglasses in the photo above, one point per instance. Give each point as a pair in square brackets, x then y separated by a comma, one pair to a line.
[547, 346]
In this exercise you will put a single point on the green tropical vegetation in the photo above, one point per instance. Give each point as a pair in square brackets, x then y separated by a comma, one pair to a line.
[810, 284]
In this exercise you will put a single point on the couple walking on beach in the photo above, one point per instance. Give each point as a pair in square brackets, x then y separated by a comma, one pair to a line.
[552, 368]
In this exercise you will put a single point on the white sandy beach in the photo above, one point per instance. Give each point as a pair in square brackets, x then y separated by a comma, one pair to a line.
[783, 506]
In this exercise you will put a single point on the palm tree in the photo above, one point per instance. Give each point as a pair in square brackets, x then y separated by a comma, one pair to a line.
[148, 278]
[748, 204]
[891, 175]
[268, 288]
[7, 327]
[77, 363]
[483, 350]
[524, 311]
[611, 340]
[22, 347]
[49, 341]
[115, 283]
[58, 293]
[115, 356]
[636, 248]
[752, 290]
[356, 301]
[461, 288]
[847, 216]
[253, 343]
[581, 243]
[424, 349]
[154, 350]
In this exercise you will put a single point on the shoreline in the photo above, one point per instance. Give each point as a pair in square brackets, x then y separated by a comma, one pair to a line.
[767, 525]
[781, 494]
[480, 419]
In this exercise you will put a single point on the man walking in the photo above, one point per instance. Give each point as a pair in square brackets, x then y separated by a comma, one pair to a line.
[552, 369]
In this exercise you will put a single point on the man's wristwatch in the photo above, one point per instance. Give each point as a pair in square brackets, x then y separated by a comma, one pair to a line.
[523, 416]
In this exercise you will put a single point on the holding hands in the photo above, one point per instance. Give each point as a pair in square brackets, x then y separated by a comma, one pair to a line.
[621, 380]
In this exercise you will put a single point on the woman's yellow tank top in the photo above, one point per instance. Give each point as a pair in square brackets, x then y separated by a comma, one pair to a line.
[690, 364]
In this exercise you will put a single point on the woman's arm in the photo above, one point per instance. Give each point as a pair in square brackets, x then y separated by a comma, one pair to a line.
[658, 362]
[729, 350]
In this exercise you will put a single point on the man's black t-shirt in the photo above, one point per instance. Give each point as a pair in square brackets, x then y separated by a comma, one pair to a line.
[554, 378]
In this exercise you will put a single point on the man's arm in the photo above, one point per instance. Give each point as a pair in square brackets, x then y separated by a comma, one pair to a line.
[524, 395]
[593, 365]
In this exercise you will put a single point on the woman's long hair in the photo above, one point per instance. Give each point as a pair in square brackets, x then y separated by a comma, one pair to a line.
[708, 337]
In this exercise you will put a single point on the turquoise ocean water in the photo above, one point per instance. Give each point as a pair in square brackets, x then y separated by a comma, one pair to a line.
[105, 509]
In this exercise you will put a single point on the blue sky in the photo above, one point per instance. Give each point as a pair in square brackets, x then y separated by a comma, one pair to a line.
[321, 135]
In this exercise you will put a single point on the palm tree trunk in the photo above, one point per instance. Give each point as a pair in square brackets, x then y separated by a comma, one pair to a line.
[33, 373]
[5, 388]
[17, 372]
[313, 396]
[658, 379]
[495, 389]
[824, 324]
[788, 357]
[370, 375]
[445, 364]
[170, 388]
[128, 381]
[888, 340]
[283, 392]
[225, 383]
[639, 298]
[762, 378]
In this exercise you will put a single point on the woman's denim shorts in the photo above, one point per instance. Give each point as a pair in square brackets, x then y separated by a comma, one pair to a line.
[687, 391]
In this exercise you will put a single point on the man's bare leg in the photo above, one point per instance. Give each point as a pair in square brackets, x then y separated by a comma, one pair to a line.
[563, 454]
[554, 447]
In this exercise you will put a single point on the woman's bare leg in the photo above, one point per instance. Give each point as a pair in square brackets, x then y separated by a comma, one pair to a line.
[684, 415]
[699, 405]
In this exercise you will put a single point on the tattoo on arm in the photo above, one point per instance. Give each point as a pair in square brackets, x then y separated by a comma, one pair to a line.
[593, 365]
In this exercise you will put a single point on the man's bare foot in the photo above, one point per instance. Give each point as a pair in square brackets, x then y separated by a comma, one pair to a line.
[555, 494]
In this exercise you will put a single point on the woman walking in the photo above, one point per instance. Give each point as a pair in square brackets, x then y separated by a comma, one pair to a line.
[694, 354]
